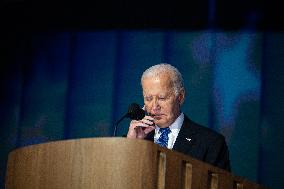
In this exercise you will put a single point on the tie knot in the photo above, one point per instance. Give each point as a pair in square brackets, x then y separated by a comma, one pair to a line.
[164, 137]
[166, 130]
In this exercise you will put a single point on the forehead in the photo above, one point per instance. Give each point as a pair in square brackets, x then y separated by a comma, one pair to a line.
[157, 85]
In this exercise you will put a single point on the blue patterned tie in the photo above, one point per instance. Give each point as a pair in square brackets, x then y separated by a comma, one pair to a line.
[164, 137]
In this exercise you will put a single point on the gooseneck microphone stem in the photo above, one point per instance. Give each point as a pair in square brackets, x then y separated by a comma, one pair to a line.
[116, 124]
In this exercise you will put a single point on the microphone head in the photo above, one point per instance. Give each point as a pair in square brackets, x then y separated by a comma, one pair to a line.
[135, 112]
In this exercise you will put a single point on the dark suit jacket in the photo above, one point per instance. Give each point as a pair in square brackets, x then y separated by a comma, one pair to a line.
[205, 144]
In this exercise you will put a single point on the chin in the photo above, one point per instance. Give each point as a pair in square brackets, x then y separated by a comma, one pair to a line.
[161, 123]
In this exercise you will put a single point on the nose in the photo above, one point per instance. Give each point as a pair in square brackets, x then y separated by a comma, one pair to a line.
[155, 106]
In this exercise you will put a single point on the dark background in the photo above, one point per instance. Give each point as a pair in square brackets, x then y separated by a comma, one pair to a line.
[70, 69]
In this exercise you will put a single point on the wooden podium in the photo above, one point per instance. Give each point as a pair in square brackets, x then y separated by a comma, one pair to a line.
[117, 163]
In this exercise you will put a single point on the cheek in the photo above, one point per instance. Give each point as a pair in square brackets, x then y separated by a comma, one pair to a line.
[168, 108]
[172, 107]
[147, 108]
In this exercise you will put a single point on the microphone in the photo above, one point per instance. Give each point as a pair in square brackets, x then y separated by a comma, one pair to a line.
[134, 112]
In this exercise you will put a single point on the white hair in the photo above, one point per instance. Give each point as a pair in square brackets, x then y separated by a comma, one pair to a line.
[175, 75]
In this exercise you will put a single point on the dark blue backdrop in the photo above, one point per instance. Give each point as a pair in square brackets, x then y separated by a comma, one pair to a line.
[76, 84]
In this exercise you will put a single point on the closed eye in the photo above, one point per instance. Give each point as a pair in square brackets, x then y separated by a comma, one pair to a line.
[148, 98]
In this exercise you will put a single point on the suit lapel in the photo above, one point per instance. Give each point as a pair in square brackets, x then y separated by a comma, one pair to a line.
[186, 137]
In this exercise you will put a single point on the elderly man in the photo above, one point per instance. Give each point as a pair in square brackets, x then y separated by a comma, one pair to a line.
[166, 125]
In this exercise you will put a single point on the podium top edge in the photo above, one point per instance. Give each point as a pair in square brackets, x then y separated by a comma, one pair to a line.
[78, 140]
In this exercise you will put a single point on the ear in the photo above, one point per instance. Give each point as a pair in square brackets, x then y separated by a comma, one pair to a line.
[181, 97]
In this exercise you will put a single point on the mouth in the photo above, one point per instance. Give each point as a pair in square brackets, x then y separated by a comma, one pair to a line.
[157, 116]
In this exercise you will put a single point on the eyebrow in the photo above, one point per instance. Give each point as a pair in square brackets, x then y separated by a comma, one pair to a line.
[159, 95]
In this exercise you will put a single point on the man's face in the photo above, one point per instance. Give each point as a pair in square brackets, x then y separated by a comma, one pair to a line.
[160, 100]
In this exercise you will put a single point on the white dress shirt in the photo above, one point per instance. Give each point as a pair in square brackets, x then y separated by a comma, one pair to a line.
[175, 128]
